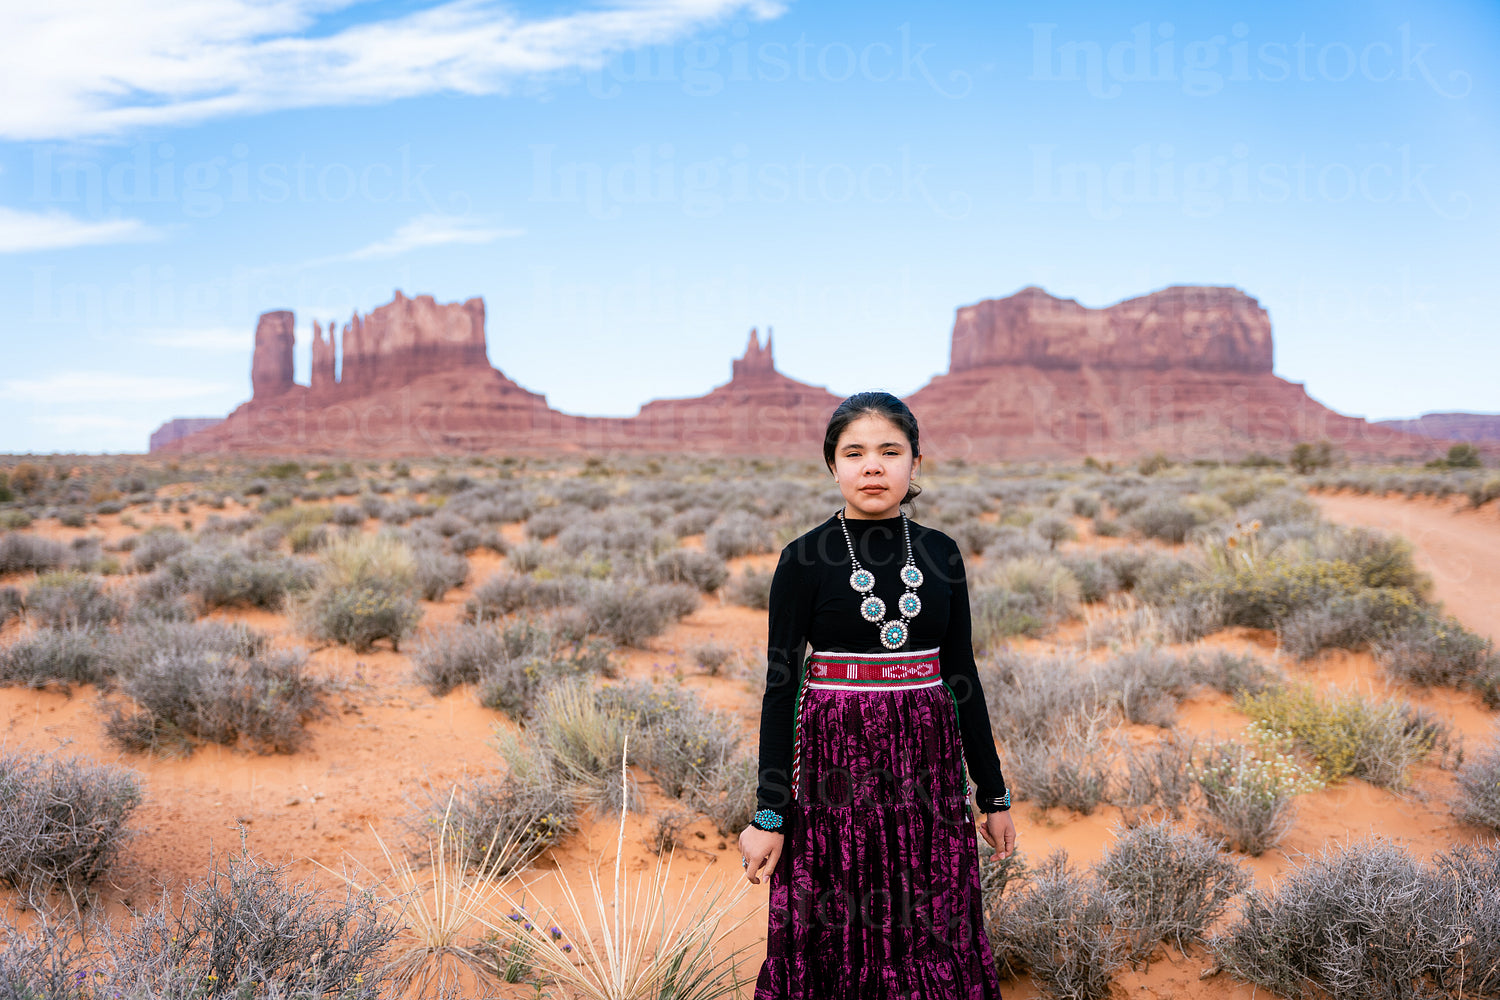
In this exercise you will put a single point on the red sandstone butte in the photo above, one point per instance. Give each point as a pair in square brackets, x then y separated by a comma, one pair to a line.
[1185, 370]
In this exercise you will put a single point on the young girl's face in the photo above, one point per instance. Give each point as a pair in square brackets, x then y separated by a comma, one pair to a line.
[873, 464]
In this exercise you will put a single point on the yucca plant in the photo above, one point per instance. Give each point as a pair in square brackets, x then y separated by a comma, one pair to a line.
[440, 946]
[652, 943]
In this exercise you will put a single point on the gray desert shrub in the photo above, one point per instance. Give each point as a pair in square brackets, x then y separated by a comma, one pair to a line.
[221, 576]
[737, 533]
[974, 536]
[548, 521]
[681, 743]
[137, 643]
[1167, 520]
[1035, 698]
[726, 793]
[155, 547]
[751, 588]
[64, 821]
[64, 657]
[1231, 673]
[713, 656]
[438, 572]
[631, 611]
[1478, 799]
[692, 521]
[1053, 529]
[179, 698]
[70, 599]
[1058, 925]
[1173, 884]
[12, 605]
[1246, 801]
[1008, 541]
[248, 930]
[1158, 779]
[501, 824]
[448, 657]
[1435, 649]
[1106, 527]
[359, 615]
[703, 570]
[1147, 685]
[1096, 580]
[505, 593]
[347, 515]
[1362, 920]
[1473, 873]
[1074, 770]
[513, 683]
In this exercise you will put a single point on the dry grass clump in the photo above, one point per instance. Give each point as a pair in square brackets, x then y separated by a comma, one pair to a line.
[1368, 920]
[639, 939]
[64, 820]
[365, 592]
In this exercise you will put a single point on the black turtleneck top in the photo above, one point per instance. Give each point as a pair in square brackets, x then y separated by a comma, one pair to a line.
[812, 603]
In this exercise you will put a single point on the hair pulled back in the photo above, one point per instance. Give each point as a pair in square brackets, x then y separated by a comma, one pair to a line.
[881, 404]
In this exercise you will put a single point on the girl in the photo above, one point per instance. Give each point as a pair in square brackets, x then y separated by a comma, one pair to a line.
[863, 822]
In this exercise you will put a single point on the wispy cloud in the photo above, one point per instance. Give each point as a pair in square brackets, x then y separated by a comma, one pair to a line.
[54, 230]
[426, 231]
[97, 68]
[113, 387]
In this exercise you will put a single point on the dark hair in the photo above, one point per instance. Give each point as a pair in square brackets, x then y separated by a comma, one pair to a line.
[882, 404]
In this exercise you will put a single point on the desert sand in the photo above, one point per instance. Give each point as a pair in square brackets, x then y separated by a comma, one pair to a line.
[389, 742]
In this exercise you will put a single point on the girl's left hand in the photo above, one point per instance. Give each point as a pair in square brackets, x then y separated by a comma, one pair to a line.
[999, 831]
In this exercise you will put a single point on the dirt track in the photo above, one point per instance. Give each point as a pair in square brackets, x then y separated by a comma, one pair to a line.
[1458, 546]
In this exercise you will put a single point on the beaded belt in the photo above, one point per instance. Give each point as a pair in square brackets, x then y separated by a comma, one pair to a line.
[861, 672]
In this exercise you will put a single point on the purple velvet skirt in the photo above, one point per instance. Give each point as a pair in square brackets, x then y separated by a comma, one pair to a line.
[876, 894]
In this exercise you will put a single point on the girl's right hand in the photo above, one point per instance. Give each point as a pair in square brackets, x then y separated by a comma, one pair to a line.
[762, 849]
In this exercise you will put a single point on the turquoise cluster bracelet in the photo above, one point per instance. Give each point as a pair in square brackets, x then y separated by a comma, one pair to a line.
[1000, 804]
[765, 819]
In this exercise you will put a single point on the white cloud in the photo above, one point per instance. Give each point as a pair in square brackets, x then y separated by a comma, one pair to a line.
[85, 423]
[55, 230]
[112, 387]
[426, 231]
[216, 338]
[97, 68]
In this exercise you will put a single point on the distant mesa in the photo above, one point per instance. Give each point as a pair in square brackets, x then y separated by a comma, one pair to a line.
[1186, 370]
[1475, 427]
[181, 427]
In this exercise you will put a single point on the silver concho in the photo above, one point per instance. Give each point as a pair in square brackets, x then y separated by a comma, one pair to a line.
[893, 634]
[911, 576]
[872, 609]
[909, 605]
[862, 580]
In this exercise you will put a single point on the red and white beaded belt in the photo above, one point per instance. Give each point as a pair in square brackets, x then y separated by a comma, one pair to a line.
[874, 671]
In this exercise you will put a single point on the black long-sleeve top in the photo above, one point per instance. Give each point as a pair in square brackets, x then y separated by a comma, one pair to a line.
[811, 602]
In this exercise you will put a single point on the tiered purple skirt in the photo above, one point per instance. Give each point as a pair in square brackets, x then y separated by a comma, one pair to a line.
[876, 894]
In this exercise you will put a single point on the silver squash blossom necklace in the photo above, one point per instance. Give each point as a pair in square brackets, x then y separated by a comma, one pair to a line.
[893, 633]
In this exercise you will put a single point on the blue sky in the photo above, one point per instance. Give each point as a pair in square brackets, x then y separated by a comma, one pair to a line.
[632, 186]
